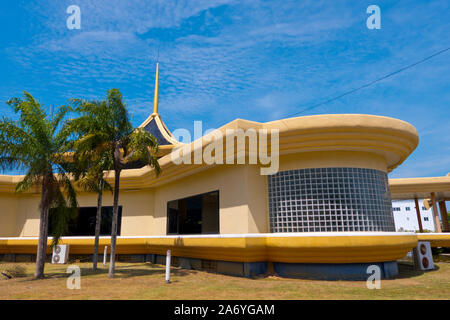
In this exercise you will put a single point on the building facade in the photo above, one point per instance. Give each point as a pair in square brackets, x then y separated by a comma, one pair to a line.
[326, 211]
[405, 216]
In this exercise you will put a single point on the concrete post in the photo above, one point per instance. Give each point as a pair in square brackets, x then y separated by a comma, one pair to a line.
[443, 209]
[419, 220]
[437, 222]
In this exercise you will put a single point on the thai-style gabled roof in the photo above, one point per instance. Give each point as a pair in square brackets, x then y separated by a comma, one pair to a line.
[156, 126]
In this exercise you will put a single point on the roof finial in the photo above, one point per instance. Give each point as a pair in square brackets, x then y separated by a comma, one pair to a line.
[155, 98]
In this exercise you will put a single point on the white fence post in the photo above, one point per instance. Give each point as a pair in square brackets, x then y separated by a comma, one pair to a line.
[168, 266]
[105, 253]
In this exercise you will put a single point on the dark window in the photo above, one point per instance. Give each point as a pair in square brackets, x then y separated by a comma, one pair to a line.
[425, 219]
[194, 215]
[83, 224]
[408, 209]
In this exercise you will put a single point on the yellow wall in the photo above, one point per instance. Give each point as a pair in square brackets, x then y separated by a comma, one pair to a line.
[327, 159]
[8, 211]
[137, 209]
[231, 183]
[28, 215]
[242, 189]
[242, 202]
[258, 205]
[21, 218]
[299, 248]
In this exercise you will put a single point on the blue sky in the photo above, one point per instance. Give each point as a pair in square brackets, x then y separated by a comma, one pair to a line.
[221, 60]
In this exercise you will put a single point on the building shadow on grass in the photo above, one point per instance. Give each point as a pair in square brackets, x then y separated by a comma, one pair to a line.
[407, 270]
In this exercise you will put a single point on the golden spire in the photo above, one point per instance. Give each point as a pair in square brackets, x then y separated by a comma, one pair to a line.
[155, 98]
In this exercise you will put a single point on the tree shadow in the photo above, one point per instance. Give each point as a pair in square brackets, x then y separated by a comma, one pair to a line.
[124, 272]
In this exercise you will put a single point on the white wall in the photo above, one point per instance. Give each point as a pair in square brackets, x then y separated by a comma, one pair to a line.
[407, 219]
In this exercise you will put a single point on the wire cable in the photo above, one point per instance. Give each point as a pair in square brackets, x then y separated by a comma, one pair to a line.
[369, 83]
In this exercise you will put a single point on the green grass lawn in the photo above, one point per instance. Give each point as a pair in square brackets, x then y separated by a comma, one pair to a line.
[146, 281]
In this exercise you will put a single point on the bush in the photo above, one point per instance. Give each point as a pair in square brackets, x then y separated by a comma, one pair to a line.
[13, 270]
[424, 231]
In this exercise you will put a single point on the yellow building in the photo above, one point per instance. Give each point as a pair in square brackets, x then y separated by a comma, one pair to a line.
[326, 212]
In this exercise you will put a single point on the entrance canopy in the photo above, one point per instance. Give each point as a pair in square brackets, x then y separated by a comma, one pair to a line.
[435, 190]
[421, 188]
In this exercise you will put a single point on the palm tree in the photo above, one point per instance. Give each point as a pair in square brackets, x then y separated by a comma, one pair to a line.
[38, 144]
[90, 162]
[108, 129]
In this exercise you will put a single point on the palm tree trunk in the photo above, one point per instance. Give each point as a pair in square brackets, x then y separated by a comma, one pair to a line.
[43, 233]
[114, 223]
[98, 223]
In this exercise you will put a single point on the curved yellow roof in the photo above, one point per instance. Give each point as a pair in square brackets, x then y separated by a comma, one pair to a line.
[390, 138]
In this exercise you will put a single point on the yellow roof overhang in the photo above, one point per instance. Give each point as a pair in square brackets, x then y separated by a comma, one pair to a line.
[421, 188]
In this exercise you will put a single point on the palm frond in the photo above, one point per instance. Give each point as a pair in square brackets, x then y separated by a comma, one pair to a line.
[143, 147]
[17, 145]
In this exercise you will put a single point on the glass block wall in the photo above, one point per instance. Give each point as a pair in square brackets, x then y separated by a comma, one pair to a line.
[330, 199]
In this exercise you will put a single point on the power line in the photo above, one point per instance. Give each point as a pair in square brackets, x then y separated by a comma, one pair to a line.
[369, 83]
